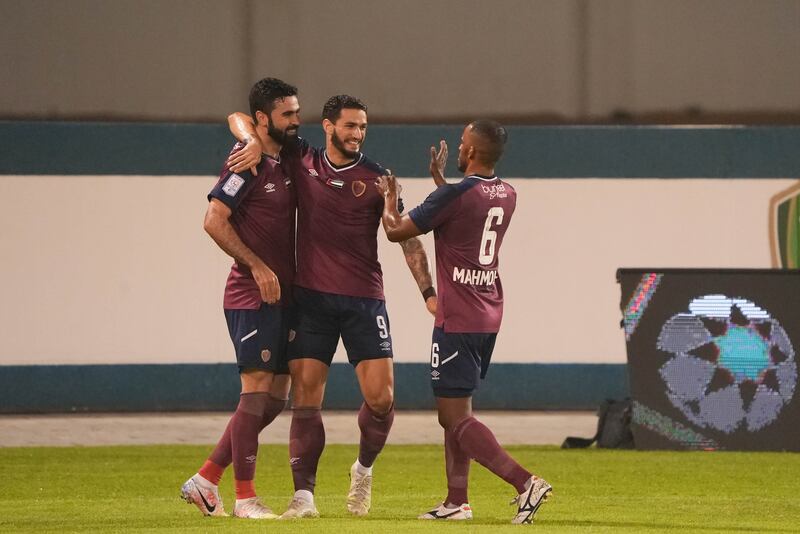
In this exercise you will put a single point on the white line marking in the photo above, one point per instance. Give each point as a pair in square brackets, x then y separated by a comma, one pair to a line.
[449, 358]
[251, 334]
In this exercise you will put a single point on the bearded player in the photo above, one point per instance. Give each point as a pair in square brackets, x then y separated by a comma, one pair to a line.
[469, 220]
[251, 216]
[338, 293]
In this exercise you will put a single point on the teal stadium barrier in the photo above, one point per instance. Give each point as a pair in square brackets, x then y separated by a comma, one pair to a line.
[198, 149]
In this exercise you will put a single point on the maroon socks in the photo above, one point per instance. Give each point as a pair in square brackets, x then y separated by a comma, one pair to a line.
[477, 441]
[239, 442]
[306, 441]
[223, 454]
[374, 431]
[457, 468]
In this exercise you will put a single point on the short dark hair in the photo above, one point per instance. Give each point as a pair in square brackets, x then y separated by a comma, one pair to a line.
[494, 136]
[266, 92]
[332, 109]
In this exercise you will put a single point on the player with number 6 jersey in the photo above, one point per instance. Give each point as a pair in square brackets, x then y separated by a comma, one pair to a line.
[469, 221]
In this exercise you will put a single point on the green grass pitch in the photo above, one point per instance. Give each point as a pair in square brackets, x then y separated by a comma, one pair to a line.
[123, 489]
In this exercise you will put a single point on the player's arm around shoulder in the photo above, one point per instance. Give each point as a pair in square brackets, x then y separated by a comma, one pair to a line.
[243, 128]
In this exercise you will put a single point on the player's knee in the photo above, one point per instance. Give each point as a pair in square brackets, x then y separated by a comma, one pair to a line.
[449, 421]
[444, 421]
[381, 403]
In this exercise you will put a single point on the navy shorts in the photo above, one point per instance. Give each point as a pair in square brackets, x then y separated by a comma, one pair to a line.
[459, 362]
[320, 318]
[260, 337]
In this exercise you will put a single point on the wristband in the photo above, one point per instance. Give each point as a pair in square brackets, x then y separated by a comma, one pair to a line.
[428, 293]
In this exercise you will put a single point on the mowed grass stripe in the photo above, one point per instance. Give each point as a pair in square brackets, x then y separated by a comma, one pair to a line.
[122, 489]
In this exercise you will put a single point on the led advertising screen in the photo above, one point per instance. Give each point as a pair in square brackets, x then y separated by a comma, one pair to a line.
[712, 357]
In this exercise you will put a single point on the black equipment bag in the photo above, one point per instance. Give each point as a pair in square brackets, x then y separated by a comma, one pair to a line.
[613, 427]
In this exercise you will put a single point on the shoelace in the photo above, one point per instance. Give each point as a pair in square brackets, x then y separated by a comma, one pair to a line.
[297, 503]
[361, 488]
[257, 506]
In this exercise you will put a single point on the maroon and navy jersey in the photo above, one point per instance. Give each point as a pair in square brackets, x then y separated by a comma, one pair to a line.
[469, 220]
[263, 215]
[339, 211]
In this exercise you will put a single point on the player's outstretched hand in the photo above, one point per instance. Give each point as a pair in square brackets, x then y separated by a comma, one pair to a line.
[267, 283]
[387, 185]
[438, 163]
[431, 303]
[247, 157]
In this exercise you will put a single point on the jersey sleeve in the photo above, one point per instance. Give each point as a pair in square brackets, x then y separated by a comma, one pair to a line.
[232, 188]
[436, 209]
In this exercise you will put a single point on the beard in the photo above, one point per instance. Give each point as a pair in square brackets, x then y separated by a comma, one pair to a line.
[282, 137]
[339, 144]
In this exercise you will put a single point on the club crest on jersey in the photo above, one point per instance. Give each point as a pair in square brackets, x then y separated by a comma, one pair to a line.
[270, 187]
[313, 172]
[233, 184]
[495, 191]
[358, 187]
[266, 354]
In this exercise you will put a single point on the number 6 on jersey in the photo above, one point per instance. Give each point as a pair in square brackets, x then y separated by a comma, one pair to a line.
[490, 236]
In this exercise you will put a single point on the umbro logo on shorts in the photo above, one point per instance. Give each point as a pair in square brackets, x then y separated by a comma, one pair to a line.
[435, 375]
[385, 345]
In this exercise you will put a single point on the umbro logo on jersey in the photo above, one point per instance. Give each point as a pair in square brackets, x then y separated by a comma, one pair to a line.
[358, 187]
[270, 187]
[313, 172]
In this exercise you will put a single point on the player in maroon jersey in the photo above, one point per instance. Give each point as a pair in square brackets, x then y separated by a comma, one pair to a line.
[339, 292]
[251, 216]
[469, 220]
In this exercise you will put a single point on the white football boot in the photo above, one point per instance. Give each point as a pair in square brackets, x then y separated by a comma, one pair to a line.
[204, 495]
[529, 501]
[302, 505]
[359, 499]
[252, 508]
[456, 513]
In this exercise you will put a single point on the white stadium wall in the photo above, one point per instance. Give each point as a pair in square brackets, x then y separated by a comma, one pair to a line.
[118, 270]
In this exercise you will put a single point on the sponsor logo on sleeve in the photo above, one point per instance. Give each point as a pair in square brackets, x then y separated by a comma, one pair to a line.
[233, 184]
